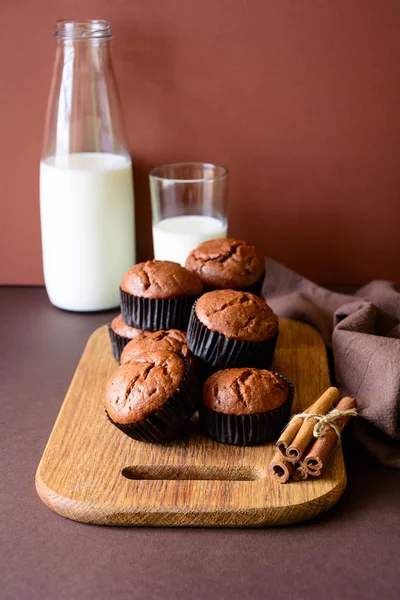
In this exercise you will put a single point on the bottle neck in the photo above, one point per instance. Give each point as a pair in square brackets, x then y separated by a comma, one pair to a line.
[83, 52]
[83, 111]
[83, 58]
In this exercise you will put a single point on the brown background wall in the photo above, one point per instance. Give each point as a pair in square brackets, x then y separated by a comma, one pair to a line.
[300, 99]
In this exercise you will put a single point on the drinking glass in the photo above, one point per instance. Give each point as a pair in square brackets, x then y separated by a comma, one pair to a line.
[188, 202]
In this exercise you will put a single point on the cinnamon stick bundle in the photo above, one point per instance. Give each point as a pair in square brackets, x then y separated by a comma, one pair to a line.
[299, 433]
[320, 452]
[281, 469]
[300, 454]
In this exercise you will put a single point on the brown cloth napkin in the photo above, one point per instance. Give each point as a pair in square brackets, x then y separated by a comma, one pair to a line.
[363, 331]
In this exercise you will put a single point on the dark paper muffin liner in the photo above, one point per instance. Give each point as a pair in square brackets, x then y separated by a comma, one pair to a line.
[118, 343]
[172, 418]
[226, 353]
[204, 370]
[154, 314]
[247, 430]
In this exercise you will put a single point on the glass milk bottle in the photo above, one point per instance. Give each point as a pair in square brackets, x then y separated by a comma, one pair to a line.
[86, 188]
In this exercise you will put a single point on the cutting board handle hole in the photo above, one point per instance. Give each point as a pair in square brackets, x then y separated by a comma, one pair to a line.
[194, 473]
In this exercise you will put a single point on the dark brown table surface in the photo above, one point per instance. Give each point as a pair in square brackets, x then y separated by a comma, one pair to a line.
[352, 551]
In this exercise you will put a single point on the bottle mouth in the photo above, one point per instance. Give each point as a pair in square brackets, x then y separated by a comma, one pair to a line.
[82, 30]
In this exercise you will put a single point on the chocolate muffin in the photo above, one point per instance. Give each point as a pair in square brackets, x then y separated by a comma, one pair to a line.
[228, 328]
[120, 334]
[171, 340]
[227, 263]
[245, 406]
[153, 397]
[158, 294]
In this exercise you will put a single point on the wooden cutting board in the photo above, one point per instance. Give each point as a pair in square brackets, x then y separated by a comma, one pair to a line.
[92, 472]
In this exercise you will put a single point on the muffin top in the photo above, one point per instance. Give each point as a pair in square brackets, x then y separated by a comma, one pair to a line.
[226, 263]
[238, 315]
[244, 391]
[143, 385]
[171, 340]
[161, 279]
[121, 328]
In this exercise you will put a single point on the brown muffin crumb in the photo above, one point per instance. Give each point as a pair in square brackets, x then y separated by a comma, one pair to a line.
[161, 279]
[171, 340]
[244, 391]
[237, 315]
[226, 263]
[143, 386]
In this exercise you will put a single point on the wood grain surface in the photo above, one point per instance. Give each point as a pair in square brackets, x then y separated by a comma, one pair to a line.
[93, 473]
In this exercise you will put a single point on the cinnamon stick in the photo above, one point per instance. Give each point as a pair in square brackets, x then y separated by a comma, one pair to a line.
[322, 449]
[299, 473]
[280, 469]
[289, 434]
[304, 435]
